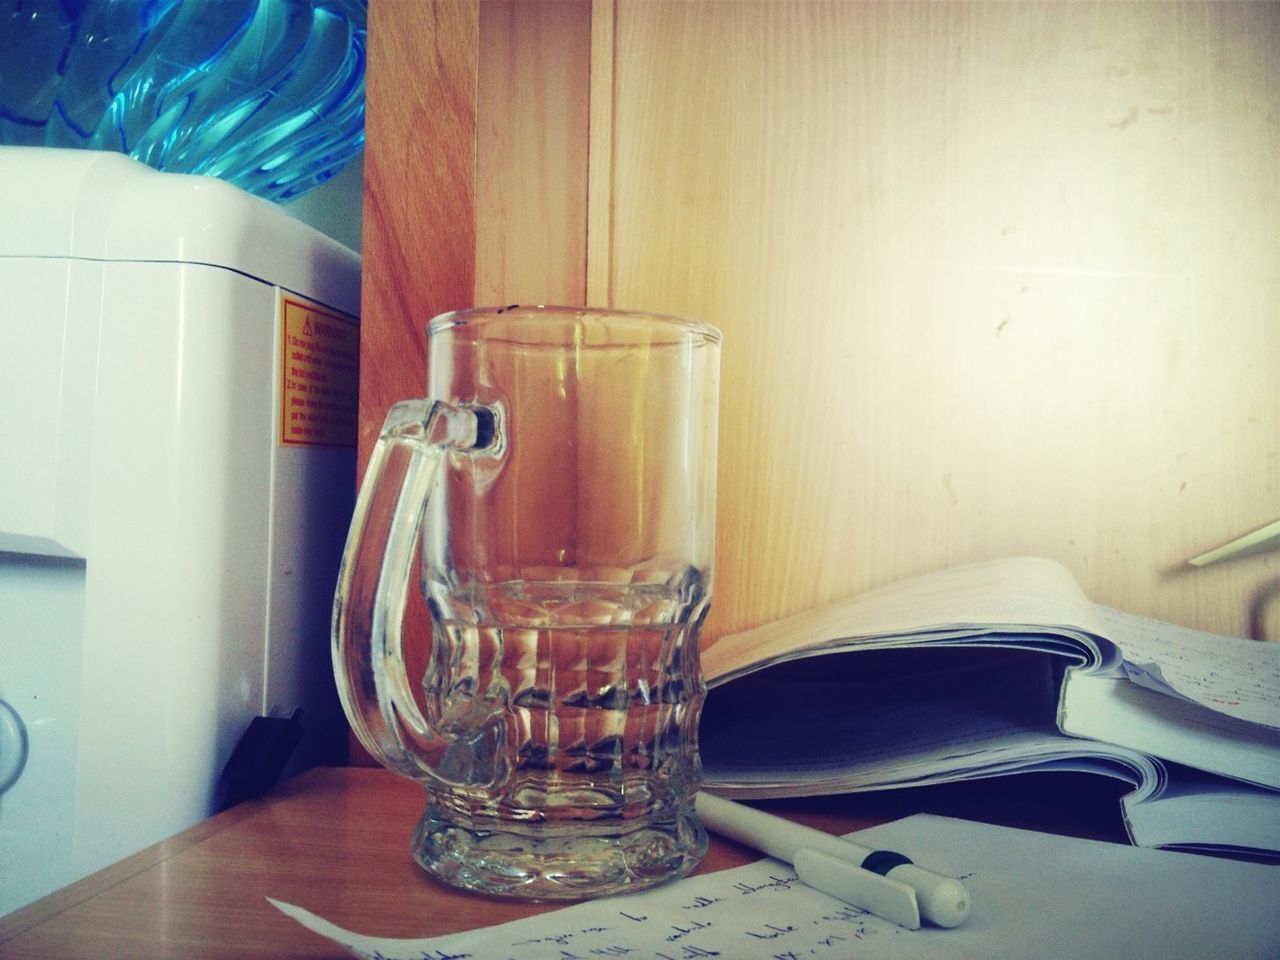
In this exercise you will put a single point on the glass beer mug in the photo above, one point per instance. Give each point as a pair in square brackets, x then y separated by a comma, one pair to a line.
[560, 481]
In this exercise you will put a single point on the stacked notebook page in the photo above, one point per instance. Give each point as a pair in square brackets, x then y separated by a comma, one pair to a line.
[997, 668]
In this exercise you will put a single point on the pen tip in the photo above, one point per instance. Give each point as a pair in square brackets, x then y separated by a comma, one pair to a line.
[947, 904]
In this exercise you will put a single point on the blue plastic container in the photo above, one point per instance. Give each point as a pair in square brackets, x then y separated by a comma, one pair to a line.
[268, 94]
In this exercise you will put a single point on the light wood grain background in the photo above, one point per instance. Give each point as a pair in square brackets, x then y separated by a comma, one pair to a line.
[994, 279]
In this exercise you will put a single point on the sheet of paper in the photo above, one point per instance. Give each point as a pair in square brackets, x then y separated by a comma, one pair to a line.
[1019, 591]
[1034, 895]
[1240, 678]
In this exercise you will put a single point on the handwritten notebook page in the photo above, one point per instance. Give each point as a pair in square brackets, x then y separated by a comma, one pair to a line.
[1240, 678]
[1034, 895]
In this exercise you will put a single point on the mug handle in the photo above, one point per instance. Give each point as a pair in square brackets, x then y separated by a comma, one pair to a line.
[369, 601]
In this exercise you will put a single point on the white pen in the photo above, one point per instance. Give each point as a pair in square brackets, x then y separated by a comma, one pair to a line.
[879, 881]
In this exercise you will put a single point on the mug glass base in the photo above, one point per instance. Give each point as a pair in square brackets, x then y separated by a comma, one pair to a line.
[566, 861]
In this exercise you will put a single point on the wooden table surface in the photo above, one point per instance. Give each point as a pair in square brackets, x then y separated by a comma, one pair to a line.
[336, 842]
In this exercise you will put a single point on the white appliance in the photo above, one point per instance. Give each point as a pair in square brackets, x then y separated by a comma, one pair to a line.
[177, 424]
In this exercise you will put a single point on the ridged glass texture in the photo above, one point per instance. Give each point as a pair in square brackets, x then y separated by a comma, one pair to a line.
[268, 94]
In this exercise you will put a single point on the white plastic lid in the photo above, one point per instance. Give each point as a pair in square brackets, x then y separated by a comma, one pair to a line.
[106, 206]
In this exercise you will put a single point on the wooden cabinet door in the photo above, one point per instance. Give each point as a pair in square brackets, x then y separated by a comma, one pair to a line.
[994, 279]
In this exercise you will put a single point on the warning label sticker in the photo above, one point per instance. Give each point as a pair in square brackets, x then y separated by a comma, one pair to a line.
[319, 369]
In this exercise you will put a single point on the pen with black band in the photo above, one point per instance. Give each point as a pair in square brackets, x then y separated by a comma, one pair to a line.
[879, 881]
